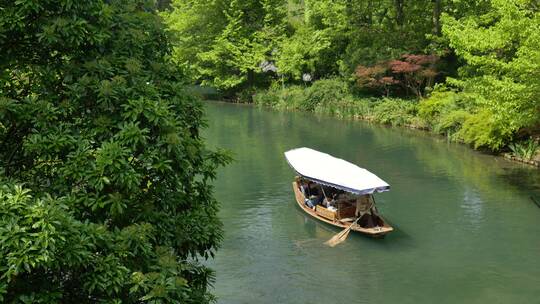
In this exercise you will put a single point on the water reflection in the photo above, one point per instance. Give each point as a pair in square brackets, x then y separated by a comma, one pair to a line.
[472, 206]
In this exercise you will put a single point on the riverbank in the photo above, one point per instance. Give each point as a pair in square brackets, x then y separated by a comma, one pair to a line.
[442, 114]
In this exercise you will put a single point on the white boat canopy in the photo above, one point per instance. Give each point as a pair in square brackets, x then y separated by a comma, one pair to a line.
[325, 169]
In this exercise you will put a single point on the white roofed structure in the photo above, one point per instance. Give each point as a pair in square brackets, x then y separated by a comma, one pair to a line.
[334, 172]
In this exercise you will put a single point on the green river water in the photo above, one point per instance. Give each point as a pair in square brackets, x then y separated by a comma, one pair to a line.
[466, 230]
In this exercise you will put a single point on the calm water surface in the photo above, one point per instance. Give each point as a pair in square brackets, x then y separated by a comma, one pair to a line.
[466, 230]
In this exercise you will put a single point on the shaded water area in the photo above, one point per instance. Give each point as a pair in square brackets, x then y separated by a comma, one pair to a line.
[466, 230]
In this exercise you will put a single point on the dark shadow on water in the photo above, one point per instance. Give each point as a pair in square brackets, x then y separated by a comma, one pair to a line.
[522, 178]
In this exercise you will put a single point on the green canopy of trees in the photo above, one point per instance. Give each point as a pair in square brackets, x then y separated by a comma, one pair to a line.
[222, 43]
[104, 180]
[501, 74]
[105, 192]
[482, 54]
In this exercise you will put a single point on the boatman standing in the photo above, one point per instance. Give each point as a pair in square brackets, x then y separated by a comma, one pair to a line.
[363, 205]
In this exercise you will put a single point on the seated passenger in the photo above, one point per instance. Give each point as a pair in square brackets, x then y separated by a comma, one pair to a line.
[309, 203]
[313, 201]
[328, 202]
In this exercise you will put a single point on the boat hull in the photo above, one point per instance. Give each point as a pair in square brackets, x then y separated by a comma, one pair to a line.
[376, 232]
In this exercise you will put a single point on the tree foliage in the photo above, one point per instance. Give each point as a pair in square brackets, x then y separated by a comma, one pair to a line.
[367, 32]
[486, 52]
[412, 73]
[105, 194]
[502, 52]
[223, 43]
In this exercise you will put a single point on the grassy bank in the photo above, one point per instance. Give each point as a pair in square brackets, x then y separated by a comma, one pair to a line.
[443, 112]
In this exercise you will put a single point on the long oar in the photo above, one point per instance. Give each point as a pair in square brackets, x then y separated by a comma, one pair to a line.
[342, 236]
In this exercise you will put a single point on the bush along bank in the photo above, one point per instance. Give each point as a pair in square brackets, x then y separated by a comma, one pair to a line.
[444, 112]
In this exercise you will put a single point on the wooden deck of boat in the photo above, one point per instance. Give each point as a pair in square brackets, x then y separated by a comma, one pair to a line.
[373, 232]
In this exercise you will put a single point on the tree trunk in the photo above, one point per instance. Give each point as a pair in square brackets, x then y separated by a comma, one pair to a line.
[370, 12]
[400, 16]
[436, 18]
[250, 78]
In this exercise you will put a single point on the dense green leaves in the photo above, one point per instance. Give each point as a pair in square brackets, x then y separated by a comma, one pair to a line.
[105, 183]
[105, 192]
[224, 43]
[486, 52]
[502, 51]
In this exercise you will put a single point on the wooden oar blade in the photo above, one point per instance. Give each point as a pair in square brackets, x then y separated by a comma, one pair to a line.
[342, 236]
[338, 238]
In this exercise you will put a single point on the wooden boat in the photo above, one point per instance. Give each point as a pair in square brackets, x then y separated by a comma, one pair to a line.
[351, 201]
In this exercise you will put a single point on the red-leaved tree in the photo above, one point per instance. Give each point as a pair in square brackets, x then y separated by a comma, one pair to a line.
[413, 73]
[375, 77]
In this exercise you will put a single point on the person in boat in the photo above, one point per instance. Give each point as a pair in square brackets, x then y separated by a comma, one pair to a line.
[333, 196]
[311, 193]
[365, 210]
[329, 202]
[313, 201]
[363, 204]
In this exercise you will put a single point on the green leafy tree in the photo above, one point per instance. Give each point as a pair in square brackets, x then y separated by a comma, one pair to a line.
[320, 32]
[104, 180]
[225, 42]
[362, 32]
[502, 52]
[302, 53]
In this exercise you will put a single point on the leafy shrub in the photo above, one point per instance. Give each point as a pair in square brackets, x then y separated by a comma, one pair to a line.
[483, 131]
[525, 150]
[245, 96]
[443, 111]
[289, 98]
[205, 93]
[292, 97]
[451, 122]
[332, 97]
[268, 98]
[322, 97]
[439, 102]
[396, 112]
[351, 107]
[323, 93]
[418, 123]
